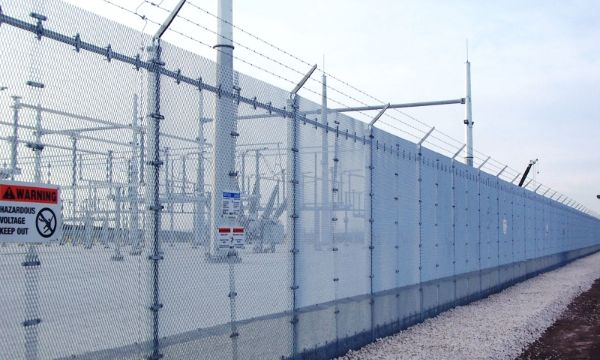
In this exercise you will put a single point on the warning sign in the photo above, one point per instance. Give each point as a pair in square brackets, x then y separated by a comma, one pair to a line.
[230, 238]
[225, 238]
[239, 237]
[29, 213]
[232, 204]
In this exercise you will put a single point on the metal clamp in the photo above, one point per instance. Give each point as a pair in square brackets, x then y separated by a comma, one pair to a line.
[31, 263]
[39, 27]
[178, 77]
[109, 53]
[31, 322]
[156, 307]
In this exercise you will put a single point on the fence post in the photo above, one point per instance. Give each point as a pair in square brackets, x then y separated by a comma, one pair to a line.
[498, 228]
[397, 232]
[292, 210]
[14, 139]
[371, 221]
[479, 227]
[153, 195]
[419, 158]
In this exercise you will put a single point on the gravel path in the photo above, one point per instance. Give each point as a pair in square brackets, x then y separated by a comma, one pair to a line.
[498, 327]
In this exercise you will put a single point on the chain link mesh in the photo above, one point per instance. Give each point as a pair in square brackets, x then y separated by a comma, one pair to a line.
[351, 233]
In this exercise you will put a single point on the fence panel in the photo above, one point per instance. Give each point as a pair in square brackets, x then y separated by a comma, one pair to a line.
[350, 233]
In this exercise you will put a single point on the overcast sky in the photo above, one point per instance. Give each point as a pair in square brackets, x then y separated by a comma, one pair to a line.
[535, 66]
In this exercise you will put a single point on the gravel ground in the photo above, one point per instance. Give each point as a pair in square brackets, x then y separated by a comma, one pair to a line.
[576, 335]
[498, 327]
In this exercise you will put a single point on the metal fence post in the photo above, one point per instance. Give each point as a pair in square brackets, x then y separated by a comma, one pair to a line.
[14, 139]
[371, 221]
[419, 159]
[479, 227]
[293, 216]
[153, 196]
[32, 261]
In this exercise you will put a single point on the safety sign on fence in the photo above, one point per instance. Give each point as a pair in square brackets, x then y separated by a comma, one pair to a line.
[232, 204]
[29, 213]
[232, 237]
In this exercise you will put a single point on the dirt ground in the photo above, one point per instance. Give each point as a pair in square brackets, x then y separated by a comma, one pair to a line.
[576, 335]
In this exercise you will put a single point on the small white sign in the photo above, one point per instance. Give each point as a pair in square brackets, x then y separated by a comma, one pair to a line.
[225, 238]
[29, 213]
[232, 204]
[239, 238]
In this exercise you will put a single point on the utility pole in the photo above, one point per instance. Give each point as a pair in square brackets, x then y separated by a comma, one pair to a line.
[224, 176]
[469, 115]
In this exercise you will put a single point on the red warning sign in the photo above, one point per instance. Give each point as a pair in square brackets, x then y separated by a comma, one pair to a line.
[29, 194]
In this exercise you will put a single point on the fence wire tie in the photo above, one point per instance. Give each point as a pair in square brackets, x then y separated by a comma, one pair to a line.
[109, 53]
[31, 322]
[219, 91]
[77, 42]
[237, 90]
[200, 84]
[178, 77]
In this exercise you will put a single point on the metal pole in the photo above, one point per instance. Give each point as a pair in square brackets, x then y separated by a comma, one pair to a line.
[74, 185]
[32, 261]
[117, 256]
[317, 213]
[293, 214]
[224, 176]
[153, 195]
[200, 208]
[469, 117]
[325, 233]
[134, 184]
[397, 106]
[14, 139]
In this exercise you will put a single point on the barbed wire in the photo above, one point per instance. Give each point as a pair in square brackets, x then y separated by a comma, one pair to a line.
[435, 136]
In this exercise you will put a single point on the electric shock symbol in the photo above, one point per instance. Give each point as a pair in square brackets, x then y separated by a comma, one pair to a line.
[45, 222]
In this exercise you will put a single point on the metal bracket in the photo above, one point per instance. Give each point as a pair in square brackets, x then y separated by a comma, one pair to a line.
[39, 27]
[31, 263]
[35, 84]
[77, 42]
[303, 81]
[157, 116]
[238, 91]
[109, 53]
[31, 322]
[426, 136]
[35, 147]
[484, 162]
[156, 307]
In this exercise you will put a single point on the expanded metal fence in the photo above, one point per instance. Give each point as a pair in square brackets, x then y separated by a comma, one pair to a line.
[352, 233]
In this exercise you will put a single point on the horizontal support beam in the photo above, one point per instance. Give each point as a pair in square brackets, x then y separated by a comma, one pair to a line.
[399, 106]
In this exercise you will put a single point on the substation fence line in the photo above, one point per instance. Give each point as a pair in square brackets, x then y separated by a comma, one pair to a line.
[42, 32]
[422, 131]
[260, 68]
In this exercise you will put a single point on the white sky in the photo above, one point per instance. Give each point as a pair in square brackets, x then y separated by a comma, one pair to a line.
[535, 67]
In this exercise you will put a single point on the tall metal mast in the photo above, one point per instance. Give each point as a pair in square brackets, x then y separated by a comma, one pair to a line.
[469, 115]
[224, 176]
